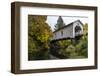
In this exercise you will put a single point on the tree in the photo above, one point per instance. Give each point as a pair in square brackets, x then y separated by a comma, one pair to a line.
[85, 29]
[60, 23]
[82, 45]
[39, 34]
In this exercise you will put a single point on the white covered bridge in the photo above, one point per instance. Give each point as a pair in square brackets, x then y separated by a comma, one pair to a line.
[69, 31]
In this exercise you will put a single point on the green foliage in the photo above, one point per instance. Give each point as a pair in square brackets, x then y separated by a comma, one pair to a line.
[75, 48]
[85, 29]
[64, 43]
[60, 23]
[39, 33]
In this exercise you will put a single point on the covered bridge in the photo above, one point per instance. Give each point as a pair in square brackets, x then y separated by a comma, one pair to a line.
[69, 31]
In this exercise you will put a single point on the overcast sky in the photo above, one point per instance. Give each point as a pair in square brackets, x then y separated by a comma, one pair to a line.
[52, 20]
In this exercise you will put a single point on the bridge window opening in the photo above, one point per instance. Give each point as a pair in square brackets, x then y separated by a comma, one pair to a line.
[78, 30]
[61, 33]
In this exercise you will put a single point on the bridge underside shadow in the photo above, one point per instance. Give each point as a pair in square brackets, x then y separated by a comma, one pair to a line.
[54, 47]
[68, 38]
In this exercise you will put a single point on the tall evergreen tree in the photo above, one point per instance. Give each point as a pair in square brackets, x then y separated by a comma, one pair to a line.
[60, 23]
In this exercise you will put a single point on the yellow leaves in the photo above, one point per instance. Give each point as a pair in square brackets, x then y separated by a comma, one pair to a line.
[39, 33]
[85, 29]
[44, 36]
[39, 28]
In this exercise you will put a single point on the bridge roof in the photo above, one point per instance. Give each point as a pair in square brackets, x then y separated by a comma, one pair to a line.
[70, 24]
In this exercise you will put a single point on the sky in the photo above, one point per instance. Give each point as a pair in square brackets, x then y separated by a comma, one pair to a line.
[52, 20]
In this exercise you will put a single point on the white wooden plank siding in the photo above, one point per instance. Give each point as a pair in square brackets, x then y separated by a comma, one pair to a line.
[68, 31]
